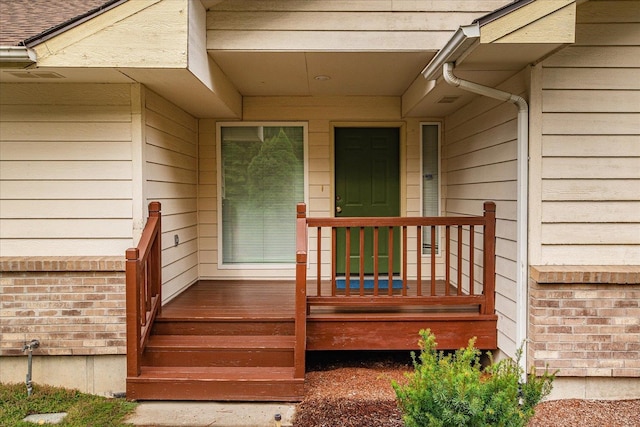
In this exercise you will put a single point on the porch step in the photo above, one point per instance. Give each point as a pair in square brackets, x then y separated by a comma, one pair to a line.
[216, 383]
[219, 350]
[224, 326]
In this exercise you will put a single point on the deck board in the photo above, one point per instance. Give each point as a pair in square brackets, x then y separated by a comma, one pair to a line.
[234, 299]
[263, 299]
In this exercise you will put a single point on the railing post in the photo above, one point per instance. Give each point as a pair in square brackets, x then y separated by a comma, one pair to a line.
[489, 256]
[133, 312]
[301, 291]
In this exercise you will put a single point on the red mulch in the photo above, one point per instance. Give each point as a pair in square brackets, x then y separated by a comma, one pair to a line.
[354, 390]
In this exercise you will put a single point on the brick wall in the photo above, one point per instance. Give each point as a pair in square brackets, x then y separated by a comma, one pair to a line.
[73, 305]
[585, 320]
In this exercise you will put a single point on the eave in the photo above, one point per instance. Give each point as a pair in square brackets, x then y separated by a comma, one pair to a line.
[491, 50]
[99, 47]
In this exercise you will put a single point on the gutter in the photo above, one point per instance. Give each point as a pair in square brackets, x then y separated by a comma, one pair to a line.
[457, 47]
[461, 41]
[16, 56]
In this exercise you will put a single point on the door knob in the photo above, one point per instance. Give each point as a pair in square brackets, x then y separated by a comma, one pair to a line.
[338, 209]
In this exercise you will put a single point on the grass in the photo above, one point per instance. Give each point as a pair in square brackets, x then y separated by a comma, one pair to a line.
[84, 410]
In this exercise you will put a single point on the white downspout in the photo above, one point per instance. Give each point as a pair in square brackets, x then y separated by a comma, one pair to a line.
[522, 201]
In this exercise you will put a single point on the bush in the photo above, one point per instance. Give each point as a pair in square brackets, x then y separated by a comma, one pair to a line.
[454, 389]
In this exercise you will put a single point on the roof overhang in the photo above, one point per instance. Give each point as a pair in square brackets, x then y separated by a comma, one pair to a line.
[490, 50]
[178, 66]
[98, 47]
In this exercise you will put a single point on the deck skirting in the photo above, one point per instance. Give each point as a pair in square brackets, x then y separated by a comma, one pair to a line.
[399, 332]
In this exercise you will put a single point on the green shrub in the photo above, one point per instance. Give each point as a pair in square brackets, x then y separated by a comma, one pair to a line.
[454, 390]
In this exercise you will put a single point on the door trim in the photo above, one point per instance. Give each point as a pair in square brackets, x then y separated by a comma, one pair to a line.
[402, 130]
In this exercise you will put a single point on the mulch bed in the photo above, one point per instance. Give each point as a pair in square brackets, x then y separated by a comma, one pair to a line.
[353, 389]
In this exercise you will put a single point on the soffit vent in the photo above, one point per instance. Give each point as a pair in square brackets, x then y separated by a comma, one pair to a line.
[448, 99]
[36, 75]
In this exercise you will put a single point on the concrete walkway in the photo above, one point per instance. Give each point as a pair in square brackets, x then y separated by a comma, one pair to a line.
[214, 414]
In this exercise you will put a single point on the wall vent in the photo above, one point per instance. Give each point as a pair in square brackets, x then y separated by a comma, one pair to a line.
[36, 75]
[448, 99]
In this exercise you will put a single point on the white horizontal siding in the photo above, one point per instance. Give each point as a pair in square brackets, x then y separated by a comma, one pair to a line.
[55, 170]
[171, 173]
[590, 150]
[591, 212]
[337, 20]
[53, 209]
[72, 130]
[339, 25]
[65, 151]
[147, 34]
[65, 169]
[479, 158]
[451, 6]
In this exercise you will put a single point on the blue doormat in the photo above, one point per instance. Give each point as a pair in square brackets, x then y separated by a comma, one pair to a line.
[354, 283]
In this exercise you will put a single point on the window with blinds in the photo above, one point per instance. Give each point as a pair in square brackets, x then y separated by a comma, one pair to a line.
[262, 178]
[430, 135]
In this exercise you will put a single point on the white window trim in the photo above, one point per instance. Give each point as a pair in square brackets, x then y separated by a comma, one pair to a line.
[305, 148]
[439, 213]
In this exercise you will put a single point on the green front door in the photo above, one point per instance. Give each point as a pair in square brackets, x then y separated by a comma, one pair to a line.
[367, 183]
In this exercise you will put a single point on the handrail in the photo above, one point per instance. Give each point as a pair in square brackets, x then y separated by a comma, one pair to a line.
[459, 287]
[143, 288]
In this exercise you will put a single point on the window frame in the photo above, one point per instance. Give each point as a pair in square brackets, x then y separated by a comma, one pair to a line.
[220, 190]
[425, 250]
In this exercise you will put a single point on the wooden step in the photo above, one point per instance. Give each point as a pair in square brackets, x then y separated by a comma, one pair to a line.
[216, 383]
[219, 350]
[224, 326]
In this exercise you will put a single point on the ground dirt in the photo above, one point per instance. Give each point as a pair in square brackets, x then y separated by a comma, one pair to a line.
[354, 390]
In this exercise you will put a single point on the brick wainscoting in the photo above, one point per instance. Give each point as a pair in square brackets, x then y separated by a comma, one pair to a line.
[585, 320]
[73, 305]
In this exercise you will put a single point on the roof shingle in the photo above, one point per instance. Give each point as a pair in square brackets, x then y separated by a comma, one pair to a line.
[21, 19]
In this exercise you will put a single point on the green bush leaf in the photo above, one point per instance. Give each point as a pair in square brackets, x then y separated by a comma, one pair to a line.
[450, 390]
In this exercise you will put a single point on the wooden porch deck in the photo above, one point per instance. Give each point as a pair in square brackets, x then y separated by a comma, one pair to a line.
[247, 340]
[268, 307]
[209, 299]
[234, 299]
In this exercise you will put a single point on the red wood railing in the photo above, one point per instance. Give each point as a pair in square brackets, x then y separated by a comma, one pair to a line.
[300, 346]
[143, 289]
[456, 287]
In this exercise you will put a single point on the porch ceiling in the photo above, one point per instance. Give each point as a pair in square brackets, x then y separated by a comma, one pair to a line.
[295, 73]
[374, 74]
